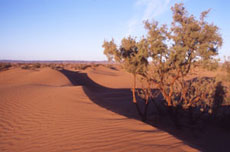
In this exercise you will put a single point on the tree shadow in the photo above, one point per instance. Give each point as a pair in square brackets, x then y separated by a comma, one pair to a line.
[208, 138]
[116, 100]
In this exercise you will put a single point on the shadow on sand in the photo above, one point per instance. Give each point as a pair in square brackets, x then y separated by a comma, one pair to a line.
[120, 101]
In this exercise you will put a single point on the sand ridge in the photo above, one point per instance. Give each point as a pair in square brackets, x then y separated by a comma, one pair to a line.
[42, 111]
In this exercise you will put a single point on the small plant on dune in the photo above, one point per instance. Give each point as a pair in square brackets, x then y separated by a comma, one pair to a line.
[94, 65]
[109, 66]
[226, 67]
[36, 65]
[84, 66]
[165, 57]
[25, 66]
[5, 66]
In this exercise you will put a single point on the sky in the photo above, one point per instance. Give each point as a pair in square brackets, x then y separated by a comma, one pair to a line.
[76, 29]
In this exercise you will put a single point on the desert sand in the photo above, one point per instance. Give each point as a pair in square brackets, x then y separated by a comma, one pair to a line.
[63, 111]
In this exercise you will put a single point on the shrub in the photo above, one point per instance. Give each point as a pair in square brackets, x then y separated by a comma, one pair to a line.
[5, 66]
[164, 58]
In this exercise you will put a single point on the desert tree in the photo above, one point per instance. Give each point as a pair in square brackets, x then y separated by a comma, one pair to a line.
[165, 56]
[176, 51]
[133, 57]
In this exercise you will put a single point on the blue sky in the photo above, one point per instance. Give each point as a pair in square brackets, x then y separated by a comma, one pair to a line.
[76, 29]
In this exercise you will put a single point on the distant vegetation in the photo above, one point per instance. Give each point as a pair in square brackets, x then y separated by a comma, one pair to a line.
[4, 66]
[164, 60]
[226, 68]
[56, 66]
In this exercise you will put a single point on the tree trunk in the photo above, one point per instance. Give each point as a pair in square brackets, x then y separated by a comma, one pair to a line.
[142, 115]
[134, 88]
[134, 96]
[166, 97]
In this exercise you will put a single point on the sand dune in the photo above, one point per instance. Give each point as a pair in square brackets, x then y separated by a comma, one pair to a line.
[45, 111]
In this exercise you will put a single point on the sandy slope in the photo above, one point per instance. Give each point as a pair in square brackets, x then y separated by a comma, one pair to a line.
[42, 111]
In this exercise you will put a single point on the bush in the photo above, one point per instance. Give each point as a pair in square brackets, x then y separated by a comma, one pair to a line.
[5, 66]
[82, 66]
[36, 65]
[226, 68]
[166, 67]
[25, 66]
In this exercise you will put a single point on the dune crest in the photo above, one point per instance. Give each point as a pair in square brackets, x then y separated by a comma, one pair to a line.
[44, 76]
[42, 111]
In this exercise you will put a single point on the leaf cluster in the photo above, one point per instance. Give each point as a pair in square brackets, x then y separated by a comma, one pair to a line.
[165, 56]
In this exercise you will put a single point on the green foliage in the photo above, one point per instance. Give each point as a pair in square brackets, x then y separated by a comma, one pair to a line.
[197, 92]
[131, 54]
[210, 65]
[165, 57]
[110, 50]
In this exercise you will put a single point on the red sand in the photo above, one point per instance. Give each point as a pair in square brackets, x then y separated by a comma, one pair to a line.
[41, 111]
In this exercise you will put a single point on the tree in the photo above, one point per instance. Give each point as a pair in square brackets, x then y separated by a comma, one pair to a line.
[191, 41]
[165, 57]
[133, 58]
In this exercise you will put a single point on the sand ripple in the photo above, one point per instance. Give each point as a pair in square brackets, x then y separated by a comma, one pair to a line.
[41, 111]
